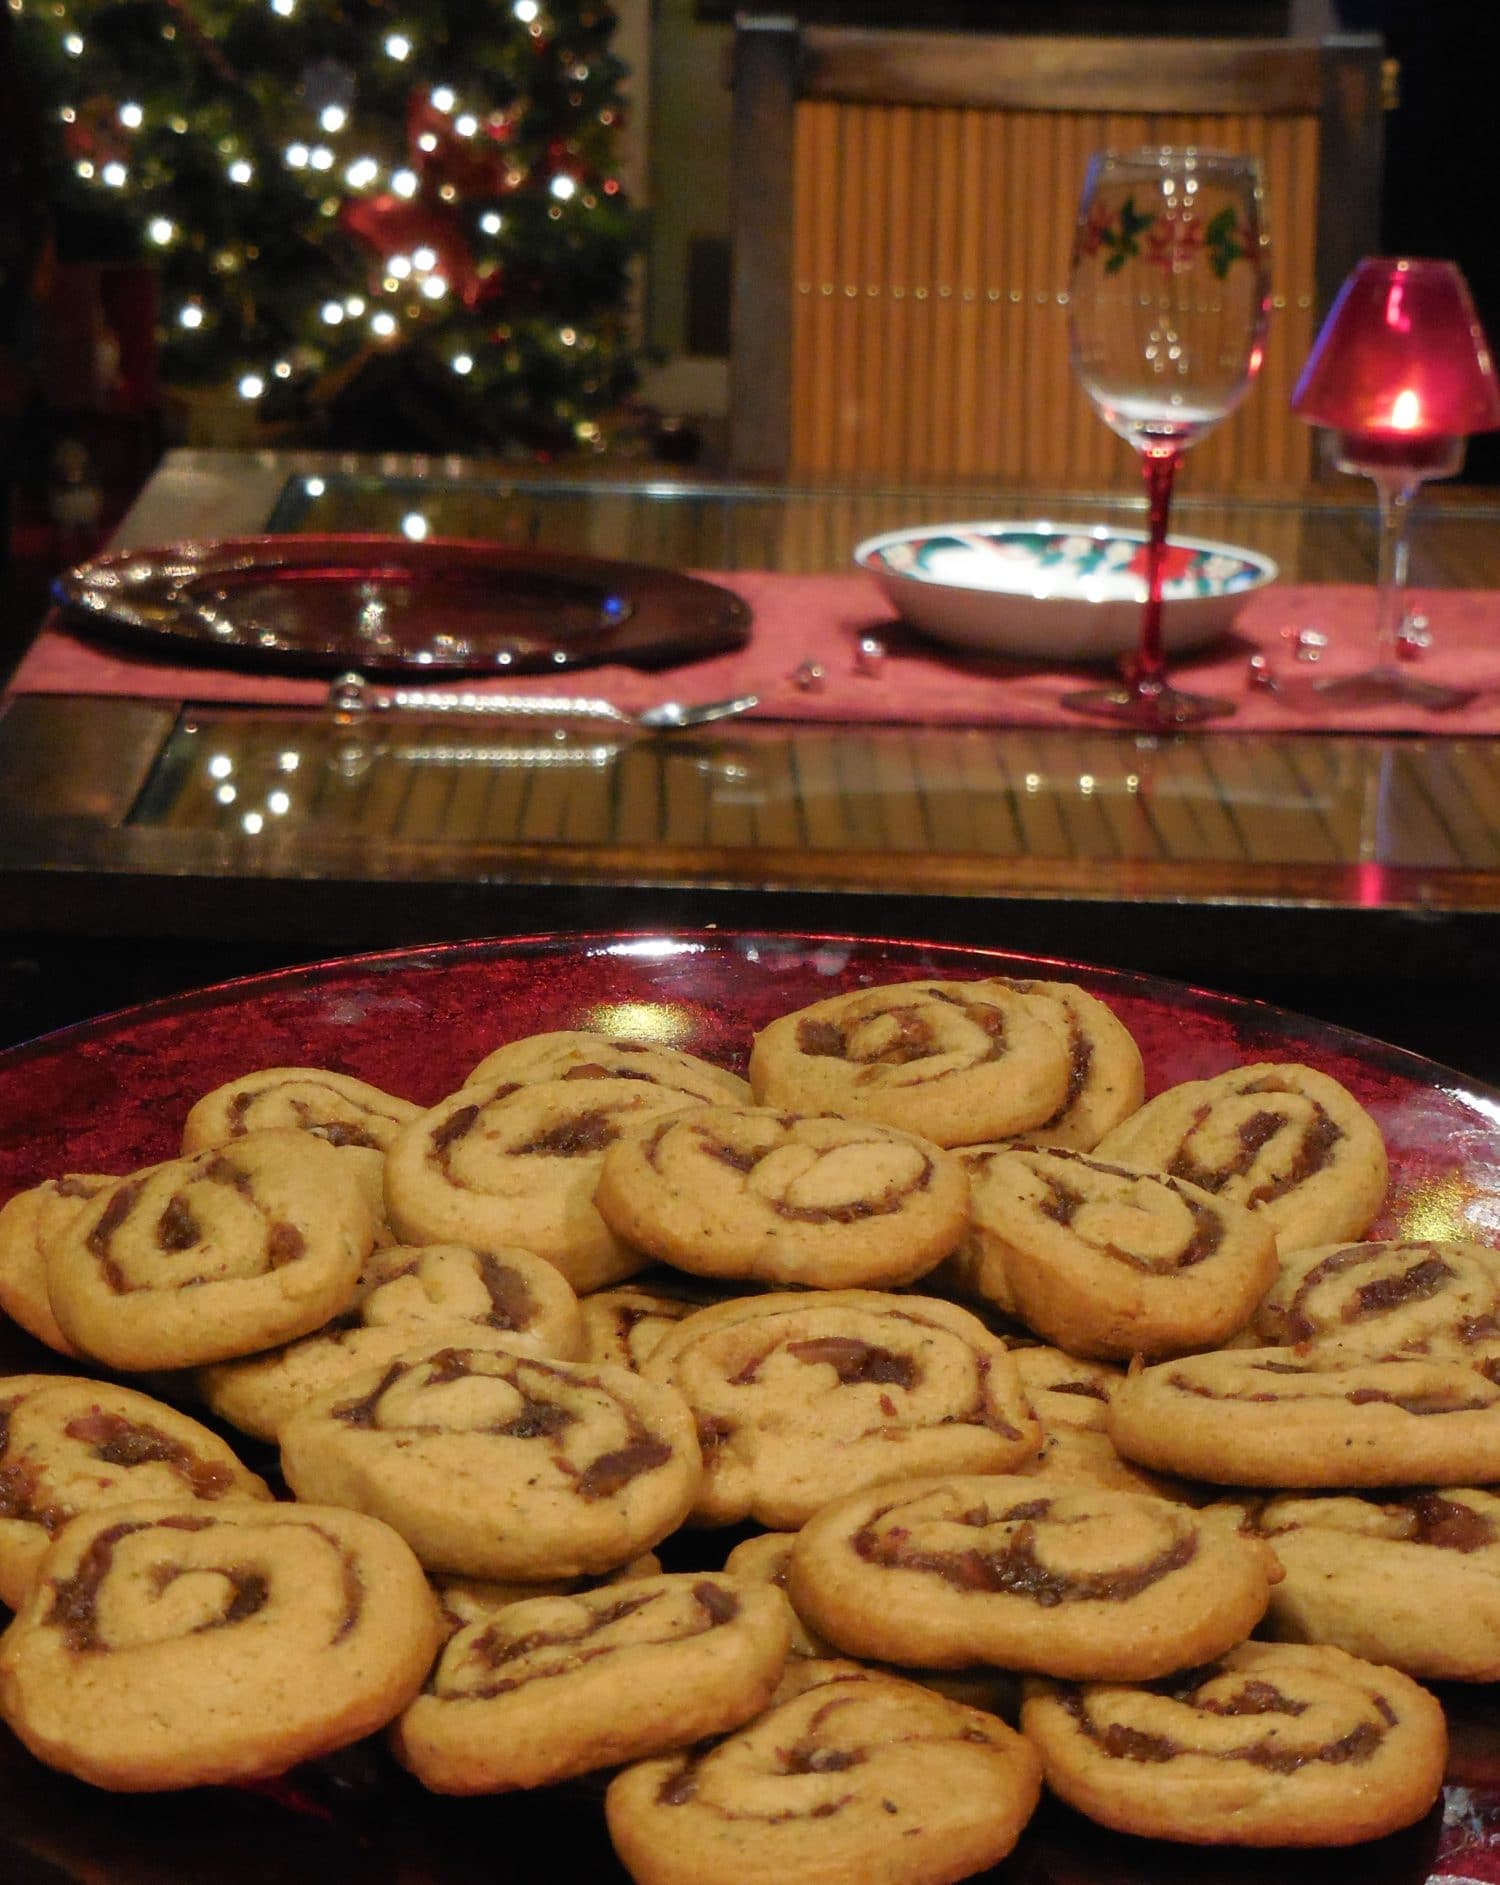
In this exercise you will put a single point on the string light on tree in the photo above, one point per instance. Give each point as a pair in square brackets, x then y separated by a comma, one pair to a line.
[278, 159]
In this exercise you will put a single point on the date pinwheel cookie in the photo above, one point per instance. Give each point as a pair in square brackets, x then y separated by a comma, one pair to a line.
[960, 1063]
[801, 1395]
[466, 1600]
[1106, 1076]
[1411, 1579]
[163, 1647]
[518, 1165]
[1111, 1260]
[756, 1194]
[622, 1326]
[335, 1106]
[1284, 1139]
[1028, 1574]
[1401, 1296]
[407, 1297]
[69, 1445]
[1286, 1417]
[28, 1222]
[767, 1557]
[509, 1290]
[258, 1394]
[1070, 1397]
[558, 1686]
[221, 1253]
[861, 1775]
[1274, 1744]
[580, 1054]
[492, 1464]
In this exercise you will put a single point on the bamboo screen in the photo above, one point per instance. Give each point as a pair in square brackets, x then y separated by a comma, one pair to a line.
[929, 316]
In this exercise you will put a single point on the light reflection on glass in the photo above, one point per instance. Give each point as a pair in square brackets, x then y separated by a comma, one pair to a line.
[661, 1023]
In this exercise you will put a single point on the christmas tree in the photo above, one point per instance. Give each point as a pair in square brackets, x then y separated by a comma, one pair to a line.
[382, 222]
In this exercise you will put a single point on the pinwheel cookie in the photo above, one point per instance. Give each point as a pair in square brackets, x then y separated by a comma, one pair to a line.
[69, 1445]
[1298, 1418]
[580, 1054]
[518, 1165]
[1411, 1579]
[28, 1222]
[1112, 1260]
[958, 1062]
[222, 1253]
[1284, 1139]
[563, 1685]
[163, 1648]
[336, 1106]
[622, 1326]
[1106, 1076]
[1273, 1745]
[800, 1396]
[1070, 1397]
[753, 1193]
[860, 1776]
[1403, 1296]
[1027, 1574]
[493, 1464]
[465, 1600]
[510, 1290]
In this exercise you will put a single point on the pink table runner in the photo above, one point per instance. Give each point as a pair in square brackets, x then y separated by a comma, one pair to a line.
[822, 618]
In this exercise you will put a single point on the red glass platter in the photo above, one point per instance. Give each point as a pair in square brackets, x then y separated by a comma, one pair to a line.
[392, 606]
[111, 1094]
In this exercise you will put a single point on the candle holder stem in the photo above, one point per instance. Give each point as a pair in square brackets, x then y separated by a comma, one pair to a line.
[1396, 487]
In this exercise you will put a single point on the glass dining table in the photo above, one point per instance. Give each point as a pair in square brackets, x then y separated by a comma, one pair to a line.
[1357, 874]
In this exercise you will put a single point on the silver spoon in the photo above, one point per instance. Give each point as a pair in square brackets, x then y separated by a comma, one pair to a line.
[352, 694]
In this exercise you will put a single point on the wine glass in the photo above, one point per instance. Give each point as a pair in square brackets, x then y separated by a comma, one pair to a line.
[1167, 306]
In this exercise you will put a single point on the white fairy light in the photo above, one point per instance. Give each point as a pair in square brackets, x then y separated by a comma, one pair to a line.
[333, 118]
[463, 363]
[73, 45]
[414, 526]
[564, 187]
[397, 46]
[190, 315]
[132, 117]
[282, 370]
[467, 125]
[251, 386]
[405, 183]
[443, 98]
[241, 171]
[333, 313]
[161, 230]
[354, 306]
[399, 266]
[425, 260]
[526, 11]
[115, 175]
[434, 287]
[492, 222]
[382, 325]
[322, 157]
[83, 168]
[362, 173]
[427, 142]
[284, 8]
[298, 156]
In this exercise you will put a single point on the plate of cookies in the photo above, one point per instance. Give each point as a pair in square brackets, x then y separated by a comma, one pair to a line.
[724, 1406]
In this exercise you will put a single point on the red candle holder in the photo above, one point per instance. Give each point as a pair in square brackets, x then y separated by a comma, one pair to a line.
[1401, 373]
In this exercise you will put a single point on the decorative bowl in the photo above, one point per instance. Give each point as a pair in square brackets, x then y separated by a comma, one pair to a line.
[1056, 592]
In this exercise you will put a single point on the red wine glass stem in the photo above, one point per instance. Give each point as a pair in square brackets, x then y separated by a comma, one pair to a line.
[1159, 461]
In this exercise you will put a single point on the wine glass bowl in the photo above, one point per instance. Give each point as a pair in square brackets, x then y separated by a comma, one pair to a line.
[1167, 305]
